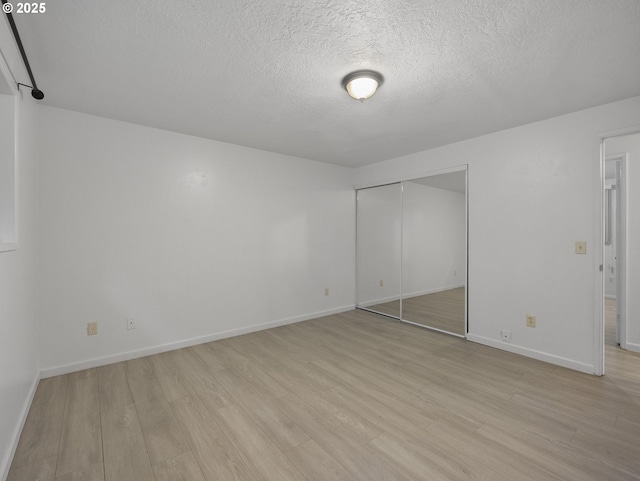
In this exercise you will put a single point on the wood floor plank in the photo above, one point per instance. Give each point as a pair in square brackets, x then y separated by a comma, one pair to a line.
[41, 433]
[94, 472]
[364, 464]
[255, 447]
[209, 356]
[252, 370]
[316, 464]
[491, 460]
[170, 377]
[398, 400]
[125, 452]
[182, 468]
[215, 454]
[610, 445]
[143, 382]
[43, 470]
[162, 434]
[192, 368]
[81, 438]
[203, 383]
[383, 416]
[412, 461]
[113, 387]
[359, 426]
[282, 431]
[562, 460]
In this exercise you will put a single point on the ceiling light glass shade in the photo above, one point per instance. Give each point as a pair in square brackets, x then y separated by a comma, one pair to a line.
[362, 84]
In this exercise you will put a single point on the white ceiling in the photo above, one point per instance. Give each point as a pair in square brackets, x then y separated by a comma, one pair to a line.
[266, 73]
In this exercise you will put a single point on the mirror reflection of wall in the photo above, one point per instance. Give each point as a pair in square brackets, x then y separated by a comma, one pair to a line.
[379, 216]
[412, 251]
[7, 166]
[434, 251]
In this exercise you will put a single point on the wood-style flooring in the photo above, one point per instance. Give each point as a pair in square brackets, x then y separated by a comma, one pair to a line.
[441, 310]
[353, 396]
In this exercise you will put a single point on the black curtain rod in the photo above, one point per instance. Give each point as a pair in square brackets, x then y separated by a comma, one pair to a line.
[36, 93]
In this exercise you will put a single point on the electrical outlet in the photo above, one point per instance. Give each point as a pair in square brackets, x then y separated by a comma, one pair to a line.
[381, 283]
[326, 291]
[131, 323]
[581, 247]
[531, 321]
[505, 335]
[92, 328]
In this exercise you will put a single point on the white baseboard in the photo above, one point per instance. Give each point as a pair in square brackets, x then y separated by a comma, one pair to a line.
[378, 301]
[532, 353]
[148, 351]
[8, 456]
[610, 297]
[633, 347]
[431, 291]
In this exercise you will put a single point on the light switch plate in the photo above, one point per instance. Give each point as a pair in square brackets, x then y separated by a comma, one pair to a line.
[581, 247]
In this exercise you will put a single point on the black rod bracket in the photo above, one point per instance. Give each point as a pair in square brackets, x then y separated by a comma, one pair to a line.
[35, 93]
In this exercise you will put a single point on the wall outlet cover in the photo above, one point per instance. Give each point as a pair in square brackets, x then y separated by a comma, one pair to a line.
[531, 321]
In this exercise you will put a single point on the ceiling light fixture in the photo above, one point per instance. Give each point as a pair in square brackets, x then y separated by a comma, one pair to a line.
[362, 84]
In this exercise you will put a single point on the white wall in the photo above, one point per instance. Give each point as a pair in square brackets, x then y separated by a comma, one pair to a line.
[194, 239]
[630, 144]
[19, 370]
[7, 169]
[433, 239]
[533, 191]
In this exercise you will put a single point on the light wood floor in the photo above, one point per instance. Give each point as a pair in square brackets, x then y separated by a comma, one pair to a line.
[353, 396]
[442, 310]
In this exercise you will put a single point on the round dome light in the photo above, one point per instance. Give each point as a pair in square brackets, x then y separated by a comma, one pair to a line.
[362, 84]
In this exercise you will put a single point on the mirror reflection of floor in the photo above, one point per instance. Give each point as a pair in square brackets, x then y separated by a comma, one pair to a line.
[617, 362]
[610, 322]
[441, 310]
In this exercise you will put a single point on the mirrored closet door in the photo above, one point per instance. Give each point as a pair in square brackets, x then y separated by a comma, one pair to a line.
[379, 241]
[412, 239]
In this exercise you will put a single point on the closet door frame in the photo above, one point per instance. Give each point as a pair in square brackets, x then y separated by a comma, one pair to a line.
[401, 181]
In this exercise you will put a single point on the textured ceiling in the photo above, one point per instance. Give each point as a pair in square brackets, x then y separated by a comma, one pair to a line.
[266, 73]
